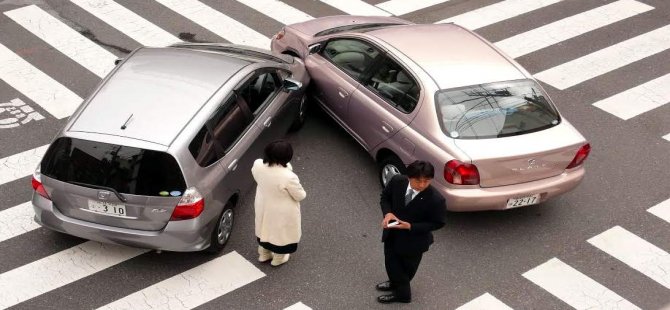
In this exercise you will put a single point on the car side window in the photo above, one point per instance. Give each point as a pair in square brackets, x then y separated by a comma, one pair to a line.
[352, 56]
[220, 132]
[259, 90]
[393, 83]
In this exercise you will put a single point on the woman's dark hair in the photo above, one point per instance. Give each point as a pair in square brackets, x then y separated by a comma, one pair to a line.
[420, 169]
[278, 152]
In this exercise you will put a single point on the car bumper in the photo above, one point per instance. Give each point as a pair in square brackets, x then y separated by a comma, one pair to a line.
[179, 236]
[495, 198]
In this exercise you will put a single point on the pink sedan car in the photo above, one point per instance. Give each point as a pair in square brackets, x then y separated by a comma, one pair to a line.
[440, 93]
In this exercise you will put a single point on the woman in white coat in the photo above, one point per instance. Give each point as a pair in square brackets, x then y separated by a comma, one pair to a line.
[277, 204]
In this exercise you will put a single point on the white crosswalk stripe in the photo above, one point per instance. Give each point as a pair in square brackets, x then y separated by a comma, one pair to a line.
[603, 61]
[62, 268]
[400, 7]
[639, 99]
[485, 302]
[53, 97]
[16, 221]
[667, 137]
[278, 11]
[570, 27]
[217, 22]
[298, 306]
[22, 164]
[193, 287]
[356, 7]
[635, 252]
[64, 39]
[128, 22]
[662, 209]
[497, 12]
[575, 288]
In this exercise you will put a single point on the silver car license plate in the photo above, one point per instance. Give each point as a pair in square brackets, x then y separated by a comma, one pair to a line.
[107, 207]
[523, 201]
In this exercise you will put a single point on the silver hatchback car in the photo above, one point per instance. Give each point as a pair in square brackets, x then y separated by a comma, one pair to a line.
[158, 155]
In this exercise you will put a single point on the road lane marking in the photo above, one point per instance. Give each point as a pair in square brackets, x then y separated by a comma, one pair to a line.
[635, 252]
[356, 7]
[193, 287]
[570, 27]
[64, 39]
[667, 137]
[217, 22]
[127, 22]
[497, 12]
[484, 302]
[575, 288]
[278, 11]
[20, 165]
[52, 96]
[605, 60]
[662, 209]
[298, 306]
[400, 7]
[62, 268]
[17, 220]
[639, 99]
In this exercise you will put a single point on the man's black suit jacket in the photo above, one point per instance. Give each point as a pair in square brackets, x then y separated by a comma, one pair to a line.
[425, 213]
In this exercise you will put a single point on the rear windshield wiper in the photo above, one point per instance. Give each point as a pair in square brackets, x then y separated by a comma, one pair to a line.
[101, 187]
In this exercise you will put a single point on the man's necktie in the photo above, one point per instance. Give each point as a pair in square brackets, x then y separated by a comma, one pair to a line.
[408, 196]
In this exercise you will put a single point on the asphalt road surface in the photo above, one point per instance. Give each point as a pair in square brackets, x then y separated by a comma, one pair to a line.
[605, 245]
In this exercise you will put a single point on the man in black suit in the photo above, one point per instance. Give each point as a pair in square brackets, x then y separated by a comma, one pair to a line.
[412, 210]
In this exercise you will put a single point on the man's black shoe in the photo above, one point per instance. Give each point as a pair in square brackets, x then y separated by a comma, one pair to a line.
[387, 299]
[384, 286]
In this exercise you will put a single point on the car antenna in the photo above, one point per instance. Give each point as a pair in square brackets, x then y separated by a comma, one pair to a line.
[126, 123]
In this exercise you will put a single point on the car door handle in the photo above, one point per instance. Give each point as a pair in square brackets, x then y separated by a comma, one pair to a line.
[268, 122]
[343, 93]
[386, 127]
[233, 165]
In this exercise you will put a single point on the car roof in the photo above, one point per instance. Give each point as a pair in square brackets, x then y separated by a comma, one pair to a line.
[156, 92]
[453, 56]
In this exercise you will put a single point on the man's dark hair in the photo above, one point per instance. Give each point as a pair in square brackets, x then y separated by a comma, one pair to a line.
[420, 169]
[278, 152]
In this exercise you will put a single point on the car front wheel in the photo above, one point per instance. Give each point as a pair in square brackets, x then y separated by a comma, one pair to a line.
[389, 167]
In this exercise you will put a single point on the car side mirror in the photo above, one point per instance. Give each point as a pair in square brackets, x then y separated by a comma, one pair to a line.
[117, 61]
[291, 85]
[314, 48]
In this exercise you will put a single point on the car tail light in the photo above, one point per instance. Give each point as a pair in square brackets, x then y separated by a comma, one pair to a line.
[580, 157]
[460, 173]
[37, 184]
[280, 34]
[190, 206]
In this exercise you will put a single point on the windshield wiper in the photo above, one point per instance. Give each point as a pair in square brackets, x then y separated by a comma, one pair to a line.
[118, 195]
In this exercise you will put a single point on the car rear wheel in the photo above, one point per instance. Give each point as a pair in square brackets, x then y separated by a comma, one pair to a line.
[302, 114]
[222, 231]
[389, 167]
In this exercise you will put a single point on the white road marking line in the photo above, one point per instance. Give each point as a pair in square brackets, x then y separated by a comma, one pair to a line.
[62, 268]
[17, 220]
[193, 287]
[497, 12]
[400, 7]
[127, 22]
[356, 7]
[575, 288]
[20, 165]
[217, 22]
[570, 27]
[298, 306]
[278, 11]
[64, 39]
[605, 60]
[667, 137]
[485, 302]
[639, 99]
[53, 97]
[635, 252]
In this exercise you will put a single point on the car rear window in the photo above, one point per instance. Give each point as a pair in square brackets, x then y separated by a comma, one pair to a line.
[126, 169]
[495, 110]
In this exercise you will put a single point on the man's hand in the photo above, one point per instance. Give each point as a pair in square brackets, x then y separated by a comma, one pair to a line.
[388, 218]
[402, 225]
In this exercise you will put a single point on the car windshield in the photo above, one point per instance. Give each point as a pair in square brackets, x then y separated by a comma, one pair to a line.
[124, 169]
[495, 110]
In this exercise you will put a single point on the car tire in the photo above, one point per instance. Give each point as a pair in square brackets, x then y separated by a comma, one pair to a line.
[388, 167]
[302, 115]
[222, 230]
